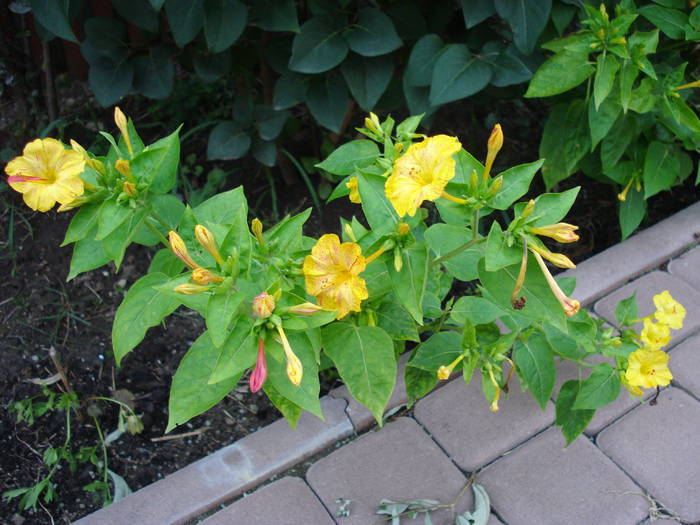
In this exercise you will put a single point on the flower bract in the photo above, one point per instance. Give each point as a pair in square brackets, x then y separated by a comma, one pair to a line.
[421, 173]
[332, 275]
[46, 173]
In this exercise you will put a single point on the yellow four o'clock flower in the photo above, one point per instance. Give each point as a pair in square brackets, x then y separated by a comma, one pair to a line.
[655, 335]
[558, 259]
[46, 173]
[569, 305]
[648, 368]
[421, 173]
[560, 232]
[444, 372]
[668, 310]
[295, 370]
[332, 274]
[354, 190]
[177, 245]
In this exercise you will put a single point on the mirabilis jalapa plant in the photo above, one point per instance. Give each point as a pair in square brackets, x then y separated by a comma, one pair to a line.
[280, 306]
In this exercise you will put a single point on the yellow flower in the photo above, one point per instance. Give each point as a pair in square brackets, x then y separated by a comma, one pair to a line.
[257, 228]
[668, 310]
[46, 173]
[560, 232]
[632, 389]
[655, 335]
[129, 188]
[648, 368]
[177, 245]
[557, 259]
[354, 191]
[421, 173]
[204, 276]
[206, 239]
[122, 124]
[332, 274]
[569, 305]
[444, 372]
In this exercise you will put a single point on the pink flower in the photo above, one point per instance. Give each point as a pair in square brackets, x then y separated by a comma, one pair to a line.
[259, 375]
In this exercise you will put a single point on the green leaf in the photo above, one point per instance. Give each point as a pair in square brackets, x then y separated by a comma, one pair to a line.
[327, 100]
[190, 393]
[223, 208]
[367, 78]
[111, 216]
[476, 11]
[618, 139]
[457, 74]
[211, 67]
[535, 364]
[498, 252]
[319, 46]
[164, 261]
[286, 236]
[396, 321]
[224, 22]
[573, 422]
[53, 16]
[306, 395]
[140, 13]
[418, 99]
[110, 79]
[563, 344]
[379, 212]
[604, 79]
[116, 243]
[540, 303]
[509, 66]
[82, 222]
[269, 121]
[564, 141]
[671, 22]
[290, 90]
[265, 152]
[527, 19]
[551, 208]
[156, 4]
[185, 19]
[562, 15]
[104, 34]
[421, 61]
[601, 388]
[602, 119]
[275, 15]
[221, 311]
[443, 238]
[238, 352]
[154, 72]
[418, 383]
[661, 167]
[632, 211]
[364, 357]
[157, 164]
[560, 73]
[626, 311]
[475, 309]
[439, 350]
[628, 74]
[142, 307]
[88, 254]
[228, 140]
[349, 157]
[374, 34]
[516, 182]
[289, 410]
[409, 283]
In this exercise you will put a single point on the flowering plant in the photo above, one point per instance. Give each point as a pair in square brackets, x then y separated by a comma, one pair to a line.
[280, 306]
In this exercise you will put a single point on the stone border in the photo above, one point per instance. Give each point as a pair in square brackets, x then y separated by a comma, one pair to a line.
[247, 463]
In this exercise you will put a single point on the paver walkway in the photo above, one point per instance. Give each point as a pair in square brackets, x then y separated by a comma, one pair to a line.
[633, 458]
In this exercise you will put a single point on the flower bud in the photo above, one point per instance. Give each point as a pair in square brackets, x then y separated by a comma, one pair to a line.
[495, 142]
[295, 370]
[129, 188]
[263, 305]
[349, 232]
[204, 276]
[560, 232]
[496, 186]
[402, 228]
[190, 289]
[257, 228]
[398, 147]
[494, 403]
[443, 373]
[124, 168]
[354, 190]
[177, 245]
[121, 122]
[259, 375]
[92, 163]
[206, 239]
[558, 259]
[305, 308]
[529, 208]
[398, 259]
[134, 424]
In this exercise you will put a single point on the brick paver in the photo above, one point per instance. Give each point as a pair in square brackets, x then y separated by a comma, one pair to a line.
[686, 267]
[288, 501]
[684, 364]
[646, 287]
[604, 416]
[229, 471]
[642, 252]
[658, 446]
[459, 419]
[398, 462]
[543, 483]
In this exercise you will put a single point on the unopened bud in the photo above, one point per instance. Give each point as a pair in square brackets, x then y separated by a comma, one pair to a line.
[190, 289]
[473, 181]
[124, 168]
[354, 196]
[494, 403]
[129, 188]
[257, 228]
[349, 232]
[204, 276]
[206, 239]
[496, 186]
[305, 309]
[121, 122]
[263, 305]
[398, 147]
[398, 260]
[259, 375]
[402, 228]
[177, 245]
[134, 424]
[495, 142]
[529, 208]
[621, 40]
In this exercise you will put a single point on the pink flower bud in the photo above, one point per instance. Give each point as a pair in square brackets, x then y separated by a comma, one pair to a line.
[259, 375]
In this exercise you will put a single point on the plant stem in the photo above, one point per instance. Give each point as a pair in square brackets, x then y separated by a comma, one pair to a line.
[105, 470]
[307, 180]
[475, 225]
[157, 233]
[273, 192]
[454, 252]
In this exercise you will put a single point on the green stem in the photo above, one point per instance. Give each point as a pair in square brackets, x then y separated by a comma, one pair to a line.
[454, 252]
[273, 192]
[105, 470]
[475, 225]
[112, 400]
[157, 233]
[307, 181]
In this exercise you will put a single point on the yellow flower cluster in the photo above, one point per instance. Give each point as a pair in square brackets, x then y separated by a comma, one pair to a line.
[648, 366]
